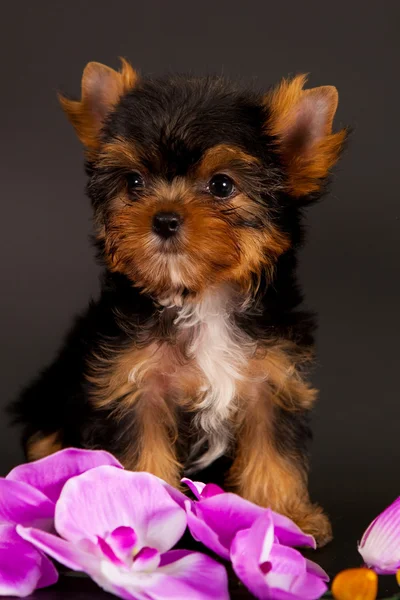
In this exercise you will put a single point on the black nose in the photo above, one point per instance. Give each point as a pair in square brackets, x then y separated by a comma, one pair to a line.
[166, 224]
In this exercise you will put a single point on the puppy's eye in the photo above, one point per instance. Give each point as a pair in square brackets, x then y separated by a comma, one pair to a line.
[135, 182]
[221, 186]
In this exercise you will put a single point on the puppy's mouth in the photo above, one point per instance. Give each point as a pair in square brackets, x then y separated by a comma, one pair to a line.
[170, 246]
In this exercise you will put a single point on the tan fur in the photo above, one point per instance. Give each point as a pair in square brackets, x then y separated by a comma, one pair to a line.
[211, 251]
[277, 372]
[39, 446]
[142, 382]
[221, 157]
[260, 473]
[308, 161]
[131, 245]
[259, 251]
[151, 383]
[198, 372]
[153, 450]
[118, 153]
[101, 89]
[233, 386]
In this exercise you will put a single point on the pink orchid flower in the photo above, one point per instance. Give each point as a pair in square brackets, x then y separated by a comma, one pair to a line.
[22, 568]
[217, 516]
[380, 544]
[271, 570]
[28, 497]
[119, 528]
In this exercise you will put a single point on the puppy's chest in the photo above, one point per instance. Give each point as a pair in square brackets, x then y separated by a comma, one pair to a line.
[204, 367]
[201, 368]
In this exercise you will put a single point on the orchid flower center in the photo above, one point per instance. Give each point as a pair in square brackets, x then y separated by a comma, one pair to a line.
[265, 567]
[121, 547]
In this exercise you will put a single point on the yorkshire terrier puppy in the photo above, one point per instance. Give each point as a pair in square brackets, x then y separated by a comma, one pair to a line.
[196, 348]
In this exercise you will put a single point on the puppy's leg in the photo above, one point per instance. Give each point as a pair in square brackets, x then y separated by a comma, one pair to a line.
[271, 462]
[152, 446]
[136, 420]
[40, 445]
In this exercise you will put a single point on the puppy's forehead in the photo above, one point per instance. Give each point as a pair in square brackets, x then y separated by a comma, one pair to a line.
[173, 122]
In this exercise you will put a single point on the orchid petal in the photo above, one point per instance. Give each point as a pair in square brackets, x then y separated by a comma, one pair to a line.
[217, 516]
[148, 559]
[261, 536]
[126, 585]
[48, 575]
[176, 495]
[289, 574]
[74, 558]
[193, 575]
[203, 533]
[21, 503]
[289, 534]
[105, 549]
[250, 549]
[211, 489]
[271, 570]
[62, 551]
[355, 583]
[196, 487]
[315, 569]
[22, 567]
[122, 541]
[225, 515]
[136, 500]
[246, 566]
[49, 474]
[181, 574]
[202, 490]
[380, 544]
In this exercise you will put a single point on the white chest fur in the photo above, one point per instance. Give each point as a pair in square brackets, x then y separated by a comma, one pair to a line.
[220, 352]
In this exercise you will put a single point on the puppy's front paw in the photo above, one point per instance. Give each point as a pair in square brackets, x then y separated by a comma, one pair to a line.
[315, 522]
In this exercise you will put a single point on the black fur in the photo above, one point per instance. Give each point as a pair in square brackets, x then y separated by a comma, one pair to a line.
[172, 122]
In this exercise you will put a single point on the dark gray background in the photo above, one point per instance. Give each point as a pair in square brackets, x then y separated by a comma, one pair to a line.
[350, 265]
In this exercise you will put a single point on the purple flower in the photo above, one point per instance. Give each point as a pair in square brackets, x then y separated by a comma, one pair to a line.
[22, 568]
[119, 528]
[216, 517]
[28, 497]
[380, 544]
[49, 474]
[271, 570]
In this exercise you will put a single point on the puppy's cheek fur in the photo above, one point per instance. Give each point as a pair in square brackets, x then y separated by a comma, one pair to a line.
[206, 249]
[259, 251]
[209, 249]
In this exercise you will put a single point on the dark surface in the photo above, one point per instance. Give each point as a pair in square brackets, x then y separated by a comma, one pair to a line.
[349, 267]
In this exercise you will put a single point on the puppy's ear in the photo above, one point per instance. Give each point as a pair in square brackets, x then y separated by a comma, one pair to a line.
[101, 89]
[301, 121]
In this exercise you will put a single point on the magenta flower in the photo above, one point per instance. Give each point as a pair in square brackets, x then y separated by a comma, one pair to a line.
[216, 517]
[49, 474]
[273, 571]
[380, 544]
[27, 497]
[22, 568]
[119, 528]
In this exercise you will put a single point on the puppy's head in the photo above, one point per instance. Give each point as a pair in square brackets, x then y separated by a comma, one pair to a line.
[195, 182]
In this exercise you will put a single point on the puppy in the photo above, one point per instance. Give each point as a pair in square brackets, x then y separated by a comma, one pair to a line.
[196, 348]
